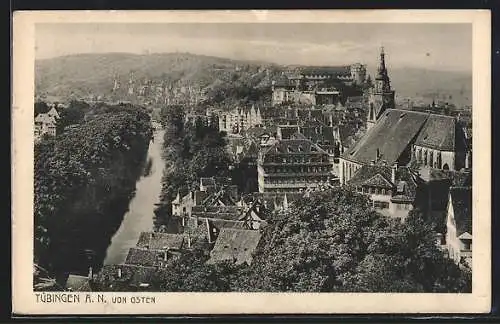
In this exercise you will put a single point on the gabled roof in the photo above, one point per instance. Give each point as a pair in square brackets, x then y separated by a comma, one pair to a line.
[368, 172]
[438, 133]
[235, 245]
[391, 135]
[160, 241]
[405, 186]
[45, 118]
[378, 181]
[461, 200]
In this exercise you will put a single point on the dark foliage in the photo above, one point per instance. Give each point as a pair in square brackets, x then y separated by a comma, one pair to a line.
[84, 180]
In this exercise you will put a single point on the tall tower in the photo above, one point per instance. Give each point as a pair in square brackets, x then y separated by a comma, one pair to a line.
[381, 95]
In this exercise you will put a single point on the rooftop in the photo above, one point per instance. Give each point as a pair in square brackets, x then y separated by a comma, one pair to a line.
[235, 245]
[160, 241]
[391, 135]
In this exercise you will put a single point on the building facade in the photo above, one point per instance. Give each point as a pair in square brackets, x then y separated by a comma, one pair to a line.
[293, 165]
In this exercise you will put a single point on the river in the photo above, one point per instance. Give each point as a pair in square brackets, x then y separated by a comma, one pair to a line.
[140, 216]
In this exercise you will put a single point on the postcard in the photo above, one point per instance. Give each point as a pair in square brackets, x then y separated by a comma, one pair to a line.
[251, 162]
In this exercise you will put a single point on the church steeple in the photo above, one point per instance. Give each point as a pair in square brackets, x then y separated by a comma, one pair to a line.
[382, 82]
[381, 96]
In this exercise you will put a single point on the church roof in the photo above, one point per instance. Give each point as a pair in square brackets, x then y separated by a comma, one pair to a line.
[461, 199]
[438, 133]
[391, 135]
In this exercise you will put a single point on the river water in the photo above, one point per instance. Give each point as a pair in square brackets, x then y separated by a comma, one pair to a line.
[140, 216]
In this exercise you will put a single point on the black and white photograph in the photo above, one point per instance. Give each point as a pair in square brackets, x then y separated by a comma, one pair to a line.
[254, 157]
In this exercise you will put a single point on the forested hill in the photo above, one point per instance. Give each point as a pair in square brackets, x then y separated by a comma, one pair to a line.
[85, 74]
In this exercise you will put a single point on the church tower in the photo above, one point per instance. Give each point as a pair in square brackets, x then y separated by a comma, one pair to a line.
[381, 95]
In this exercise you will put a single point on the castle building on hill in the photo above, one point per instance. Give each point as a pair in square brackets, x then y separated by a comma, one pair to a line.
[423, 140]
[314, 85]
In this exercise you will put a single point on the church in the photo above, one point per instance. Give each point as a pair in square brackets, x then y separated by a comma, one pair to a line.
[421, 140]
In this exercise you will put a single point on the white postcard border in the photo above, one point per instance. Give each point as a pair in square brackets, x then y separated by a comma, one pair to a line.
[24, 300]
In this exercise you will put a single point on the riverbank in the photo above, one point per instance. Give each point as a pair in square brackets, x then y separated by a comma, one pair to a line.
[140, 215]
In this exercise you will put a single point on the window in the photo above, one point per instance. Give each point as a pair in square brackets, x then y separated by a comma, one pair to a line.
[380, 204]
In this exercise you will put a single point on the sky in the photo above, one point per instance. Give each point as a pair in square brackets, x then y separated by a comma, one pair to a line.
[431, 46]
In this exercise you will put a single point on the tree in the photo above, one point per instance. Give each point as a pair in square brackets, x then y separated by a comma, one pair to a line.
[84, 179]
[333, 241]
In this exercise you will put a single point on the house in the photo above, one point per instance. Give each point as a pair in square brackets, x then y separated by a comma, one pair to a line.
[293, 164]
[44, 124]
[236, 245]
[239, 119]
[392, 189]
[459, 225]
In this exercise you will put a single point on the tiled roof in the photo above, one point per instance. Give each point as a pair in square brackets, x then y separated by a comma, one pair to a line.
[405, 187]
[235, 244]
[143, 257]
[438, 133]
[296, 144]
[367, 172]
[391, 135]
[220, 212]
[132, 275]
[78, 283]
[160, 241]
[461, 199]
[45, 118]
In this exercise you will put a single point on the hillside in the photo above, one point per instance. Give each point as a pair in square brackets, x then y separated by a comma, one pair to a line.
[86, 74]
[427, 85]
[93, 74]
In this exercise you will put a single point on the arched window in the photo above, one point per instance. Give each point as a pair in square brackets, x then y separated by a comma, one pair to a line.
[419, 155]
[431, 159]
[438, 160]
[426, 162]
[446, 167]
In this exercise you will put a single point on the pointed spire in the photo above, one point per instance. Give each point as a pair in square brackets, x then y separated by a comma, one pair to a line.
[382, 71]
[285, 203]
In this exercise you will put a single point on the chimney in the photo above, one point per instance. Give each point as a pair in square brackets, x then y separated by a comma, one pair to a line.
[165, 255]
[394, 168]
[372, 162]
[119, 273]
[377, 156]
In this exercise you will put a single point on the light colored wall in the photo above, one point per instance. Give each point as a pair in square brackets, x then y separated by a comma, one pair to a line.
[452, 242]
